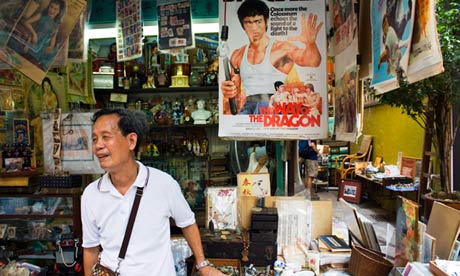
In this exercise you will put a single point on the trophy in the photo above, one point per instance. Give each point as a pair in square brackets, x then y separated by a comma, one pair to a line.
[180, 79]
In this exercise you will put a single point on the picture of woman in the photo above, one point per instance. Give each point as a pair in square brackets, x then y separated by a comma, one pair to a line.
[36, 37]
[50, 100]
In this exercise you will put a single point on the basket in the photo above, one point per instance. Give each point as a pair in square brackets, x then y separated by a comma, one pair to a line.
[365, 262]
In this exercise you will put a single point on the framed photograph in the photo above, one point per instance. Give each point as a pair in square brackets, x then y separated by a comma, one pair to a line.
[378, 160]
[6, 100]
[14, 163]
[409, 167]
[11, 232]
[21, 131]
[2, 122]
[3, 230]
[18, 99]
[350, 190]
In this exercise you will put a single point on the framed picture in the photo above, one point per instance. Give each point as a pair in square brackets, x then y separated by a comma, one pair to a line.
[350, 190]
[378, 160]
[21, 131]
[3, 230]
[409, 167]
[2, 122]
[11, 232]
[18, 99]
[14, 163]
[6, 100]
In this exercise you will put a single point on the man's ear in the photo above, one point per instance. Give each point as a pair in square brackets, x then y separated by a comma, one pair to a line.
[132, 140]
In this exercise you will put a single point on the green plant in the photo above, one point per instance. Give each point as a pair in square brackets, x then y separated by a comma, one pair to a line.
[430, 101]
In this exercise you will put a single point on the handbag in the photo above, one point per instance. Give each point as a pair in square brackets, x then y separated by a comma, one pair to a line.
[100, 270]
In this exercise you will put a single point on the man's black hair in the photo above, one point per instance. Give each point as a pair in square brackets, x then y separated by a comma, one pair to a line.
[278, 84]
[250, 8]
[130, 121]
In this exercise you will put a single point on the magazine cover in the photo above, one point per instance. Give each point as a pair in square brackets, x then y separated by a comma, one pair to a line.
[272, 72]
[38, 33]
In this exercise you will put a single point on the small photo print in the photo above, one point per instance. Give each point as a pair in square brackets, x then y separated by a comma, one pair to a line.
[2, 122]
[11, 232]
[3, 230]
[349, 191]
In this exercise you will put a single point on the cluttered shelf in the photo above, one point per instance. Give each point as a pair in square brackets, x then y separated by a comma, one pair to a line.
[158, 90]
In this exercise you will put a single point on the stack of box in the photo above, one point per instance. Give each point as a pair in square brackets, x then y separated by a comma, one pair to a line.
[264, 229]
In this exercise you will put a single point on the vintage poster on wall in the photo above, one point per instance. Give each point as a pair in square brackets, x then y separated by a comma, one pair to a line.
[344, 24]
[129, 29]
[425, 59]
[76, 52]
[347, 115]
[273, 76]
[174, 24]
[39, 33]
[392, 23]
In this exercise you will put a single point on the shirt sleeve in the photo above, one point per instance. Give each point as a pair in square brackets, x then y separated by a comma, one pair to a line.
[91, 237]
[179, 207]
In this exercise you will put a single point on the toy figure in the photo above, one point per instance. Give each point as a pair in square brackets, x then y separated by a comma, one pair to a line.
[278, 266]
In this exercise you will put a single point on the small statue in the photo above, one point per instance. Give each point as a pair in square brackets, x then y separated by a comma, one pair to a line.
[150, 83]
[201, 115]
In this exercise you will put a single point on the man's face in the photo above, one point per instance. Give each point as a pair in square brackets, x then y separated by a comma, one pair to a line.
[111, 148]
[255, 27]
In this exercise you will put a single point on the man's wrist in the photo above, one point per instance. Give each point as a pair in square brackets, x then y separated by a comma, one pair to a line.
[202, 264]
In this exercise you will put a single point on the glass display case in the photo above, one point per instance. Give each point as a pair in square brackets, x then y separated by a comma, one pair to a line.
[31, 224]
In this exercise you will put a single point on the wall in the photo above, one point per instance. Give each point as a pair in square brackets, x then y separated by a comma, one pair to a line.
[392, 132]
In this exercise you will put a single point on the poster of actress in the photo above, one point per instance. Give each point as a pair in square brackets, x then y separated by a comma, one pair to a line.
[272, 77]
[39, 32]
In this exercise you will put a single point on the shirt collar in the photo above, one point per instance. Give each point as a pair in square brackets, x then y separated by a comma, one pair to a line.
[106, 184]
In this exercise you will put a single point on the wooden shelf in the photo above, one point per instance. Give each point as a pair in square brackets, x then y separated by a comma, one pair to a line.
[159, 90]
[20, 174]
[184, 126]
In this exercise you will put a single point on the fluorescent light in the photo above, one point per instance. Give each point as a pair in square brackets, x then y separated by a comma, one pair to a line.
[95, 32]
[200, 28]
[101, 33]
